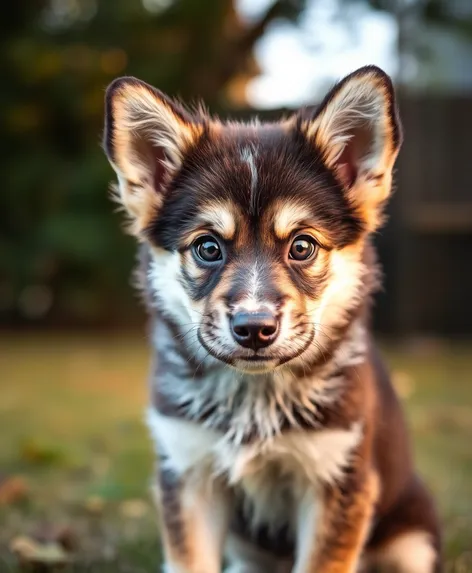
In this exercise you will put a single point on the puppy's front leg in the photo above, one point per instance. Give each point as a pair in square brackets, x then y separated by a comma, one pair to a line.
[333, 526]
[194, 519]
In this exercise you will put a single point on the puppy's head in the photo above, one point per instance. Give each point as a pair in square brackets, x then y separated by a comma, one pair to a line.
[258, 231]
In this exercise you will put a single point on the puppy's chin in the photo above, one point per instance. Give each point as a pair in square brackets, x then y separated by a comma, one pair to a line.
[255, 366]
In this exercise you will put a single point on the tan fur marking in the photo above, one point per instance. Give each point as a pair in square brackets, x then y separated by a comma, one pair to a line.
[197, 547]
[288, 216]
[142, 123]
[220, 216]
[360, 101]
[343, 290]
[137, 109]
[338, 550]
[410, 552]
[360, 105]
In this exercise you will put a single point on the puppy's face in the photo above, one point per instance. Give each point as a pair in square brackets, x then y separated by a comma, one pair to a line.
[257, 232]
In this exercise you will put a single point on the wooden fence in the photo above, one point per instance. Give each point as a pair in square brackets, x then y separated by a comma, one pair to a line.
[426, 248]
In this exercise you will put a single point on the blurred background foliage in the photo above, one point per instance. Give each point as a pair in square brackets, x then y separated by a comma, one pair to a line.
[63, 257]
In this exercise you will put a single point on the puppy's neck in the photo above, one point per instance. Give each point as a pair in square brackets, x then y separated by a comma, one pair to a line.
[245, 406]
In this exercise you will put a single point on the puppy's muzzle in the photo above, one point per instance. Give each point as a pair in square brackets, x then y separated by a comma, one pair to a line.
[254, 329]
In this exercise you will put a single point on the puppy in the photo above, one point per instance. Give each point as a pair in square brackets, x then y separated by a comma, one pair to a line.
[281, 443]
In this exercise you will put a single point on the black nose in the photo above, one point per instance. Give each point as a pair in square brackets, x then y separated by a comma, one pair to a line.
[254, 329]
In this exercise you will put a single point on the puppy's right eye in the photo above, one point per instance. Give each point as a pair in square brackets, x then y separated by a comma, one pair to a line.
[303, 248]
[207, 249]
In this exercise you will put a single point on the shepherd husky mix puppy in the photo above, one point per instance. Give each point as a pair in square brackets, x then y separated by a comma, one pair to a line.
[281, 443]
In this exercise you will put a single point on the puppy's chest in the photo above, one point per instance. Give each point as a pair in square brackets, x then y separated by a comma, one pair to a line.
[268, 477]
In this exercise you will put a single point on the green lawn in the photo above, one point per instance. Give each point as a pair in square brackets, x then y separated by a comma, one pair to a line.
[75, 456]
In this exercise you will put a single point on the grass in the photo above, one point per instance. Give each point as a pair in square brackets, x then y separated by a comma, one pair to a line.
[71, 432]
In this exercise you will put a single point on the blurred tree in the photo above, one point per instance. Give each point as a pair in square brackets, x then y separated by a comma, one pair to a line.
[425, 29]
[63, 258]
[455, 14]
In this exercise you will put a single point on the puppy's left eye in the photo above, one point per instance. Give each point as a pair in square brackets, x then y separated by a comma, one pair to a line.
[207, 249]
[303, 248]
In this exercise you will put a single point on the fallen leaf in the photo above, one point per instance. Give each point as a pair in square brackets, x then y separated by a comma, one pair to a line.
[13, 489]
[95, 504]
[134, 508]
[31, 552]
[403, 383]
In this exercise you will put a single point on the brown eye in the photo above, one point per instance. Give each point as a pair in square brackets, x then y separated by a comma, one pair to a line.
[303, 248]
[207, 249]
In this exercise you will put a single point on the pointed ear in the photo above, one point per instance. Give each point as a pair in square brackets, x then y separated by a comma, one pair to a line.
[146, 138]
[358, 133]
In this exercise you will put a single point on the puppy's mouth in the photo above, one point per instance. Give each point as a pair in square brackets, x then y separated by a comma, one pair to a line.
[259, 361]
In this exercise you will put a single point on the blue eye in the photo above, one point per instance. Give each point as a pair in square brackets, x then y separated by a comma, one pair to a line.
[207, 249]
[303, 248]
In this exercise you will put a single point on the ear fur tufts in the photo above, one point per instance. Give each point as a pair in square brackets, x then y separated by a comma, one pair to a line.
[146, 138]
[357, 131]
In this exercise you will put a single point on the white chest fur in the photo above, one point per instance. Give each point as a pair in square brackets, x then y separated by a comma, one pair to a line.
[271, 474]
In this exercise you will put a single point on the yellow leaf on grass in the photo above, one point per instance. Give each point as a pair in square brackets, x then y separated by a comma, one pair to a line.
[134, 508]
[13, 489]
[31, 552]
[95, 504]
[403, 383]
